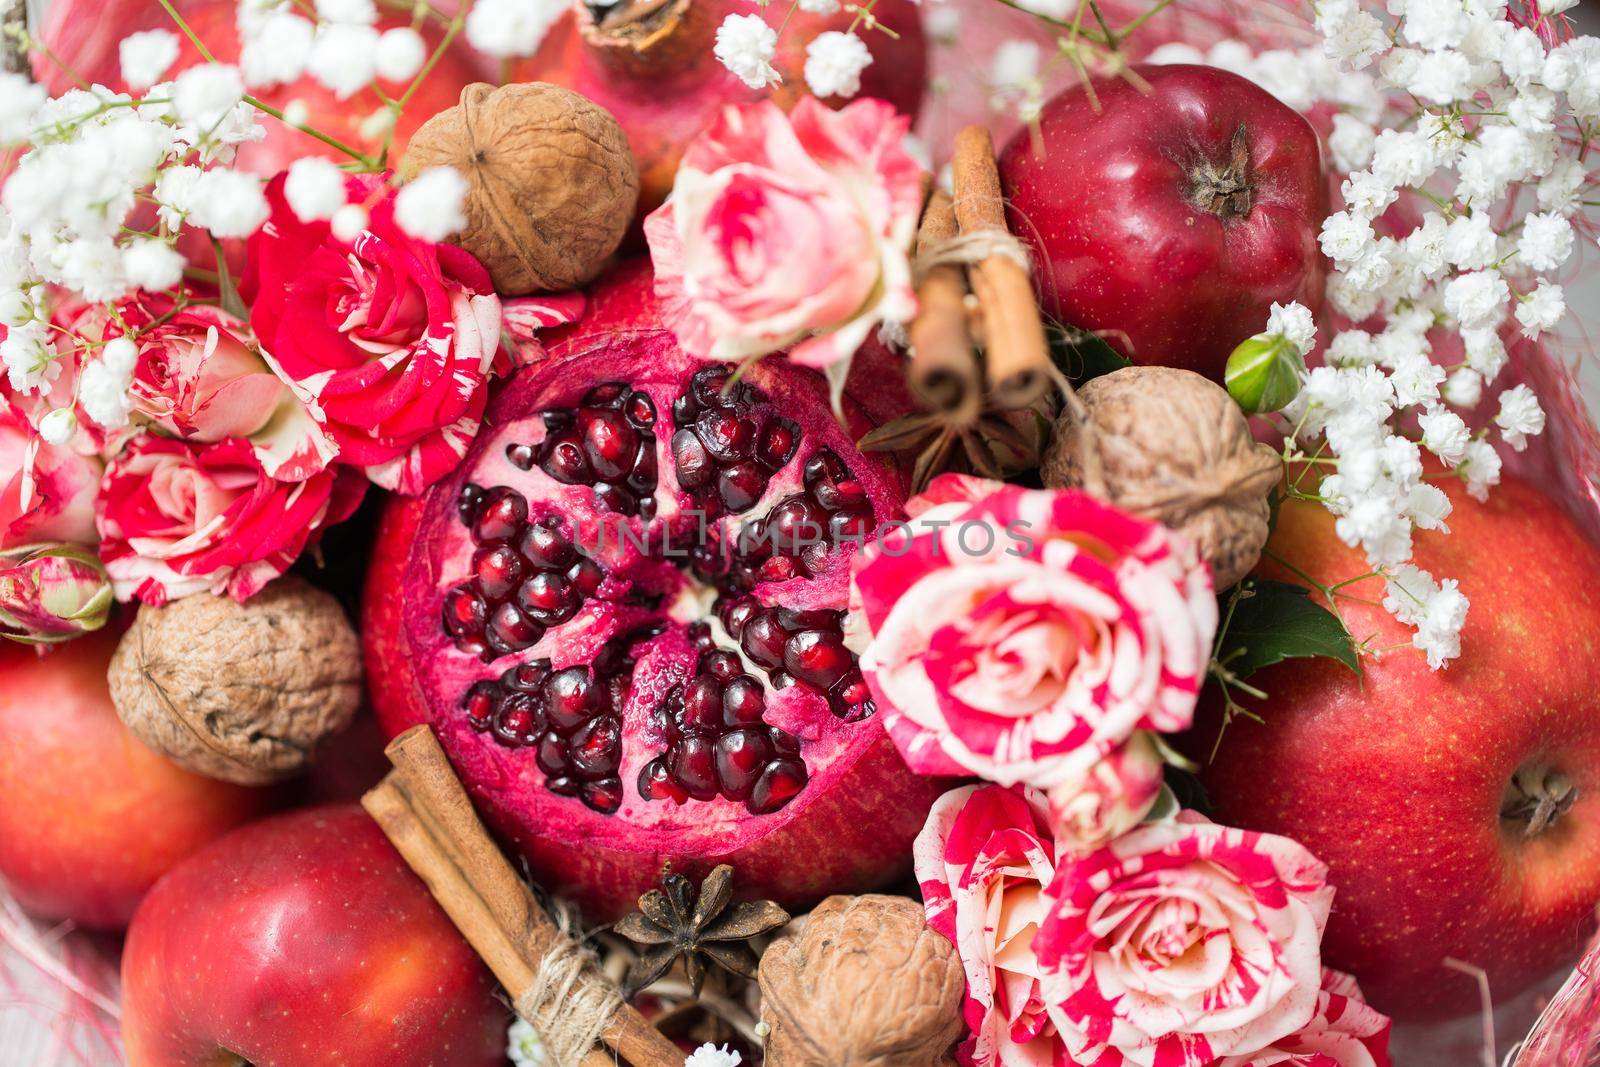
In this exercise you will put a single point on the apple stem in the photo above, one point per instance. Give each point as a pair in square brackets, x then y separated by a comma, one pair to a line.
[1538, 799]
[1226, 191]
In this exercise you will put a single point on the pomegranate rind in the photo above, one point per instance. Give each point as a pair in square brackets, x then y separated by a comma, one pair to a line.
[849, 830]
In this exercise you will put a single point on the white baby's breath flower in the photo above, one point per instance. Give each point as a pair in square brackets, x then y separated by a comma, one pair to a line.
[1464, 388]
[314, 188]
[229, 203]
[147, 56]
[20, 101]
[401, 53]
[709, 1055]
[1477, 298]
[525, 1047]
[29, 358]
[1542, 309]
[1345, 237]
[746, 45]
[1351, 142]
[432, 205]
[152, 265]
[356, 12]
[1295, 324]
[1520, 416]
[203, 95]
[120, 355]
[348, 223]
[103, 393]
[1546, 241]
[834, 62]
[819, 7]
[507, 29]
[1470, 243]
[344, 57]
[277, 51]
[58, 426]
[1445, 434]
[1480, 466]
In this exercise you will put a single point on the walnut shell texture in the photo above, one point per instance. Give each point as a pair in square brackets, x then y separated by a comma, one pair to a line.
[863, 983]
[553, 184]
[1175, 447]
[241, 692]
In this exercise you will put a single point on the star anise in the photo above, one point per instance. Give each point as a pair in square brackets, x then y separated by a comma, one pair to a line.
[679, 923]
[943, 442]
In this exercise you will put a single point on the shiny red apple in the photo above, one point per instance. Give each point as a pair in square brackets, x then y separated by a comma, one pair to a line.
[90, 817]
[303, 939]
[1169, 216]
[1459, 810]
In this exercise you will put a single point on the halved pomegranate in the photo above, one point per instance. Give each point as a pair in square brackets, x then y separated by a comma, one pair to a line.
[624, 616]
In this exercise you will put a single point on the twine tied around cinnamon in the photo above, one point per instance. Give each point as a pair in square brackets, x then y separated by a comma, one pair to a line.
[966, 249]
[567, 1002]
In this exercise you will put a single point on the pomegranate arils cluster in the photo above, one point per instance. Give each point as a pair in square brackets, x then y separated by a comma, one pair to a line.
[723, 455]
[607, 442]
[800, 646]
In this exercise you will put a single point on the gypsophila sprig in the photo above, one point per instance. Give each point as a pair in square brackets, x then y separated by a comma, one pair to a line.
[1473, 118]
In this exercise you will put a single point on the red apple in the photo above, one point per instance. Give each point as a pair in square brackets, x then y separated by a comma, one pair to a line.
[90, 817]
[1169, 217]
[1422, 789]
[303, 939]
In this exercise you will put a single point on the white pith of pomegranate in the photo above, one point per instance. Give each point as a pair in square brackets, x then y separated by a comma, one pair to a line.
[628, 638]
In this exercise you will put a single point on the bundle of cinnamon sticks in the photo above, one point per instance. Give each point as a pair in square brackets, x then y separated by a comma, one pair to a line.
[981, 296]
[425, 812]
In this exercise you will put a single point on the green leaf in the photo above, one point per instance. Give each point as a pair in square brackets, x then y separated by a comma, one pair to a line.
[1274, 621]
[1082, 355]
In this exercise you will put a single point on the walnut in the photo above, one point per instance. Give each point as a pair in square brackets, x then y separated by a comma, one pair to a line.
[863, 983]
[553, 185]
[1174, 446]
[242, 692]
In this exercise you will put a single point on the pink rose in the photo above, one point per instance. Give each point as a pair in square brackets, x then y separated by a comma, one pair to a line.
[46, 493]
[390, 340]
[1110, 797]
[1183, 942]
[1344, 1032]
[1022, 635]
[177, 518]
[984, 859]
[789, 230]
[199, 375]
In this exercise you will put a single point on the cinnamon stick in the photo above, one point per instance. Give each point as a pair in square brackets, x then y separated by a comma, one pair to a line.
[1017, 357]
[427, 815]
[944, 369]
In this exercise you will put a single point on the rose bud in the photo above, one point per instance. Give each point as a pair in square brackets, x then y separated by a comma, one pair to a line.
[1263, 373]
[52, 593]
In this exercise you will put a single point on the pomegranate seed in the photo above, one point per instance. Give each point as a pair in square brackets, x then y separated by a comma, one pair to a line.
[793, 524]
[794, 619]
[546, 593]
[817, 658]
[641, 410]
[814, 559]
[723, 666]
[565, 461]
[762, 640]
[739, 487]
[783, 741]
[741, 757]
[779, 439]
[699, 635]
[824, 466]
[609, 442]
[684, 409]
[778, 569]
[615, 498]
[780, 783]
[563, 785]
[642, 477]
[743, 702]
[546, 548]
[695, 467]
[464, 613]
[512, 628]
[780, 679]
[467, 502]
[852, 689]
[707, 384]
[570, 698]
[702, 706]
[606, 395]
[474, 646]
[521, 457]
[693, 765]
[595, 750]
[726, 436]
[586, 576]
[655, 783]
[603, 795]
[851, 524]
[734, 614]
[853, 712]
[518, 722]
[501, 514]
[754, 544]
[556, 419]
[498, 569]
[551, 755]
[480, 703]
[526, 677]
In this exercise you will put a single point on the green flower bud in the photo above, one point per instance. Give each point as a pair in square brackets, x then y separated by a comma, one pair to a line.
[52, 593]
[1263, 373]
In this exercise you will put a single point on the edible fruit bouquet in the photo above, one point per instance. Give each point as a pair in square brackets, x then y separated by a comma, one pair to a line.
[785, 579]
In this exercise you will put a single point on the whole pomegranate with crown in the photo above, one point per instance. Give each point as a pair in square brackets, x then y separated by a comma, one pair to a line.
[624, 616]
